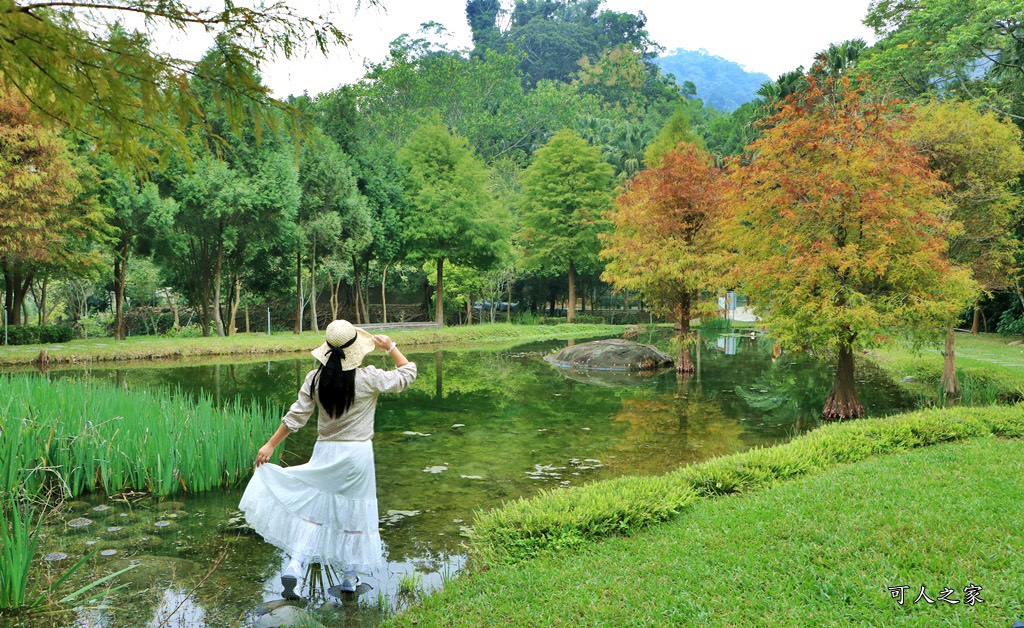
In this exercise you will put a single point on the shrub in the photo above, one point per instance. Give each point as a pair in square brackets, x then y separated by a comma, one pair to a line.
[35, 334]
[563, 519]
[1011, 323]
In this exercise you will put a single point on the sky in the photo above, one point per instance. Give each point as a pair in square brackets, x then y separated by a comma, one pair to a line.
[763, 36]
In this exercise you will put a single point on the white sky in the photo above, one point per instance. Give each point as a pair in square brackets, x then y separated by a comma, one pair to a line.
[763, 36]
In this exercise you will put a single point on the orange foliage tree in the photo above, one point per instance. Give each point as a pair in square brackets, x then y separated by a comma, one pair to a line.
[47, 219]
[841, 230]
[663, 244]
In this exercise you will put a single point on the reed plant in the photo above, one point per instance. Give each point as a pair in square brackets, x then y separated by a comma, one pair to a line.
[88, 435]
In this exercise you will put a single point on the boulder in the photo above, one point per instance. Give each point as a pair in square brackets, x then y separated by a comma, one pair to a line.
[286, 616]
[610, 355]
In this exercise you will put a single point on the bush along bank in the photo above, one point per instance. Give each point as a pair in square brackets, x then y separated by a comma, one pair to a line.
[567, 519]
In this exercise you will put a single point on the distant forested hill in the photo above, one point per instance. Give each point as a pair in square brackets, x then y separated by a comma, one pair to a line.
[721, 83]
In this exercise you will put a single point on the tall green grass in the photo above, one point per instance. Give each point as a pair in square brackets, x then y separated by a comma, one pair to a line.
[89, 435]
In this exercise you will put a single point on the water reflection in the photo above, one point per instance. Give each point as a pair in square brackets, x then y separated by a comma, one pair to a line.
[477, 428]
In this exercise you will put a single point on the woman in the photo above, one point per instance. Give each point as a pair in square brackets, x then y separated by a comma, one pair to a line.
[325, 511]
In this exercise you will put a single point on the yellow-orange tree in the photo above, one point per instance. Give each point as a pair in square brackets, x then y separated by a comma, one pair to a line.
[979, 156]
[840, 231]
[662, 245]
[47, 219]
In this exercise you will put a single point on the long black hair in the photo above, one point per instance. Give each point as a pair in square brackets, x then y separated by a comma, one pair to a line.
[335, 388]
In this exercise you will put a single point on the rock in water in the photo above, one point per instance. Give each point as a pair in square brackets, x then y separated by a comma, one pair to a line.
[610, 355]
[286, 616]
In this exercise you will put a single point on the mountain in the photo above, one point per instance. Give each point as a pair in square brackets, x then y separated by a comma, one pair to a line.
[721, 83]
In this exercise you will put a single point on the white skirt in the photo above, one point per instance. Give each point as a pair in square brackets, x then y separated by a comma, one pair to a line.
[324, 511]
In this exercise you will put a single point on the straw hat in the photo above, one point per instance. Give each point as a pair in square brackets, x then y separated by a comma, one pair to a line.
[353, 341]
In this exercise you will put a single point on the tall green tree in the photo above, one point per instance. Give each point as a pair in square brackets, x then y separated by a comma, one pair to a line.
[135, 205]
[452, 215]
[80, 68]
[566, 192]
[979, 156]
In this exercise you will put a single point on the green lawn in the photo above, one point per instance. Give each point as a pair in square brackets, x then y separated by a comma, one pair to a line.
[150, 347]
[818, 551]
[986, 363]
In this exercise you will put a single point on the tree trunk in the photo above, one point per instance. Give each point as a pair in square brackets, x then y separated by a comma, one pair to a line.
[571, 310]
[218, 317]
[508, 304]
[43, 314]
[383, 295]
[313, 323]
[120, 270]
[684, 363]
[247, 315]
[357, 287]
[204, 308]
[298, 290]
[336, 305]
[949, 383]
[17, 286]
[439, 299]
[469, 310]
[174, 307]
[842, 402]
[366, 294]
[236, 299]
[976, 323]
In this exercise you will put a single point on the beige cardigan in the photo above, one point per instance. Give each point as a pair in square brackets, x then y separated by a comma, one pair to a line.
[357, 422]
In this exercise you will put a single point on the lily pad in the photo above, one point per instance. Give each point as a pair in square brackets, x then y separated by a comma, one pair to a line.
[55, 557]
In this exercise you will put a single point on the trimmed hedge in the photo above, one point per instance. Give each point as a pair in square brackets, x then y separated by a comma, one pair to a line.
[566, 519]
[39, 334]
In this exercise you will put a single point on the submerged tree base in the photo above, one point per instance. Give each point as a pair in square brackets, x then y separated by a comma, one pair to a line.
[841, 407]
[843, 403]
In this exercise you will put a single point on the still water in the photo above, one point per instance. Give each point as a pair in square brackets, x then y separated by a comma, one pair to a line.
[478, 427]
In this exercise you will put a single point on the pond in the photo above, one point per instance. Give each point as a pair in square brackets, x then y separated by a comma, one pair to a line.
[479, 427]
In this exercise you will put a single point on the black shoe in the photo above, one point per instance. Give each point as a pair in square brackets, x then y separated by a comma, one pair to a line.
[289, 582]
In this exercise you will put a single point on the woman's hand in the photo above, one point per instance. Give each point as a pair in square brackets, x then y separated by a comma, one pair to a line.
[264, 454]
[383, 342]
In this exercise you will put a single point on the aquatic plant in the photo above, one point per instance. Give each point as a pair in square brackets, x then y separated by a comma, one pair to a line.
[410, 583]
[85, 435]
[18, 541]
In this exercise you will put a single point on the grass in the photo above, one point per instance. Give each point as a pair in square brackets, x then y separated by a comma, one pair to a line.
[87, 435]
[562, 520]
[819, 551]
[152, 347]
[989, 368]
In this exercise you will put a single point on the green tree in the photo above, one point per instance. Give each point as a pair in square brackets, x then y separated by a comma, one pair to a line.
[678, 129]
[567, 190]
[81, 69]
[133, 203]
[452, 215]
[979, 156]
[973, 48]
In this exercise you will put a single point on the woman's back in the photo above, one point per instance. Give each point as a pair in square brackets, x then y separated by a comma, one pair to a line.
[356, 423]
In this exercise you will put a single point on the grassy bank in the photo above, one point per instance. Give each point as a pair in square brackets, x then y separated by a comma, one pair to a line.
[989, 368]
[819, 551]
[559, 520]
[156, 347]
[85, 435]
